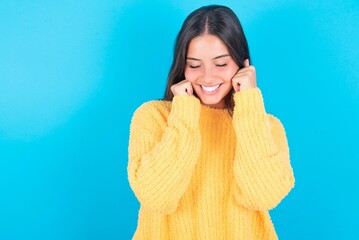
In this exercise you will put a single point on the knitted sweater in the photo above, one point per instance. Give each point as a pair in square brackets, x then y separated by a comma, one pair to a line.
[200, 173]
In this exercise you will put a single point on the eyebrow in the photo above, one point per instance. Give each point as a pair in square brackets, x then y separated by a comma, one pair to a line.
[196, 59]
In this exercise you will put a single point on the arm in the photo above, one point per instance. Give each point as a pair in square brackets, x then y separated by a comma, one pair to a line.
[162, 155]
[262, 170]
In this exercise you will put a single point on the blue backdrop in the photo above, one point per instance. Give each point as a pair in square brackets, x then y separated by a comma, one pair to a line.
[73, 72]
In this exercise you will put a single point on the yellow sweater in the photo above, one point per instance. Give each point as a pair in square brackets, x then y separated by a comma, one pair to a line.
[200, 173]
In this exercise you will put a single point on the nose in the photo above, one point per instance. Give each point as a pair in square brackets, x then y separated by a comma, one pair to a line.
[208, 76]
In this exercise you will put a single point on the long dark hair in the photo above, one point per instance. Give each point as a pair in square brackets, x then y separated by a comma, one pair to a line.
[216, 20]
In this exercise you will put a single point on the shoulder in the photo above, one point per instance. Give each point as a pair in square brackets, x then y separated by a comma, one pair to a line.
[154, 107]
[156, 110]
[276, 125]
[273, 118]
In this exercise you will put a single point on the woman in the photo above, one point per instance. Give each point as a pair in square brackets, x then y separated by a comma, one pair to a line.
[209, 162]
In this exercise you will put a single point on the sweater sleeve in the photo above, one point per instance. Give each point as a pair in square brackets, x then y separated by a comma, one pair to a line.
[162, 154]
[262, 170]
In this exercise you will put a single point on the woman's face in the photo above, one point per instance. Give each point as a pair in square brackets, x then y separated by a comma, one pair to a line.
[210, 68]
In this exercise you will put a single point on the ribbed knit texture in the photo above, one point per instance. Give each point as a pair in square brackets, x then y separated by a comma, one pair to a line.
[200, 173]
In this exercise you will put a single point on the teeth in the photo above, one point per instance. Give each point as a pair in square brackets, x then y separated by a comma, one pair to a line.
[210, 89]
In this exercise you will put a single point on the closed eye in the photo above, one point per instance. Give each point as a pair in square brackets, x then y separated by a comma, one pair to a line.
[192, 66]
[221, 65]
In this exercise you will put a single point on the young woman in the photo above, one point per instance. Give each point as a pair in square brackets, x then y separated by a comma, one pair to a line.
[208, 162]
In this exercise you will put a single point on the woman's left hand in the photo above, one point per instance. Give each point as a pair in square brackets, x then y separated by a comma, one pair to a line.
[245, 78]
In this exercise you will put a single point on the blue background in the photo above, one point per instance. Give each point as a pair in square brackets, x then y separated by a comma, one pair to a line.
[73, 72]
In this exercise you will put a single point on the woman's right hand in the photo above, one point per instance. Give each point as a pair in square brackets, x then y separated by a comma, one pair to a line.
[182, 88]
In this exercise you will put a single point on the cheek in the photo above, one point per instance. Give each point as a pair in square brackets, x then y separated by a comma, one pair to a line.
[190, 75]
[228, 74]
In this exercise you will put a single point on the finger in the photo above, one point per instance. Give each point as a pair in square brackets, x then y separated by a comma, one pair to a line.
[189, 89]
[236, 86]
[246, 62]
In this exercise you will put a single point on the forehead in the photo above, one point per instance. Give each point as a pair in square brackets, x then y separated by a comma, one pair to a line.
[206, 46]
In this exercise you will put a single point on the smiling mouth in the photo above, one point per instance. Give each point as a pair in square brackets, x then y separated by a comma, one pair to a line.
[210, 89]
